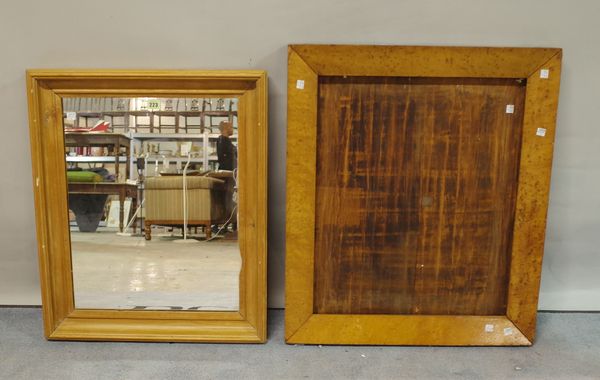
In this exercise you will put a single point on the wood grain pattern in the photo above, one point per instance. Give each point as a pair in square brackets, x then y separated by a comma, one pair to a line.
[155, 330]
[54, 178]
[61, 320]
[439, 330]
[315, 61]
[416, 182]
[423, 61]
[532, 198]
[300, 197]
[252, 154]
[39, 198]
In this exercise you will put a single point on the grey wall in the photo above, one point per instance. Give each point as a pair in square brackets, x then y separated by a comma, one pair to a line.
[254, 34]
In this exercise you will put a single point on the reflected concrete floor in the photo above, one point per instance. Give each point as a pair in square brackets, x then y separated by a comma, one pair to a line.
[127, 272]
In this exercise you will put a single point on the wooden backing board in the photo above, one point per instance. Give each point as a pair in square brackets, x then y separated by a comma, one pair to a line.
[406, 196]
[416, 186]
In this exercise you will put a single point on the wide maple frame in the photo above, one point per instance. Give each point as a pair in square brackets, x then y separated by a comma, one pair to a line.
[306, 63]
[62, 321]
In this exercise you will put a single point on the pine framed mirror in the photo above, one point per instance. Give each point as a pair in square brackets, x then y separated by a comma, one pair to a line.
[151, 203]
[417, 192]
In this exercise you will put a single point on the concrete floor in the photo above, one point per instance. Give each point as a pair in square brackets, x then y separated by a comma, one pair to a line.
[126, 272]
[568, 347]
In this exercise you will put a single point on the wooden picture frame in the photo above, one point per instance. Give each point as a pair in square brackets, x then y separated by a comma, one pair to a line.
[540, 68]
[62, 321]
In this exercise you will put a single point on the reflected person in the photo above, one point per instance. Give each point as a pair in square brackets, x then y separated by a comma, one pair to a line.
[226, 151]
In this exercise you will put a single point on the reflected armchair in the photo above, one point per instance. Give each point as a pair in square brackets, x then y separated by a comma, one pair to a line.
[164, 202]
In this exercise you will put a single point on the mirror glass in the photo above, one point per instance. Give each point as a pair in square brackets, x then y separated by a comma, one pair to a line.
[152, 195]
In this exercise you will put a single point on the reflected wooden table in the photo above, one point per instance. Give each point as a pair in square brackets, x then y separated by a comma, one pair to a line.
[113, 141]
[123, 190]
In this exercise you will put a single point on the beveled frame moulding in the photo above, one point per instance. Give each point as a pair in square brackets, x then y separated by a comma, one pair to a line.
[306, 63]
[62, 321]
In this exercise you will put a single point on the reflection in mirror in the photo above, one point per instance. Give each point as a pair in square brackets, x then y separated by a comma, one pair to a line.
[152, 186]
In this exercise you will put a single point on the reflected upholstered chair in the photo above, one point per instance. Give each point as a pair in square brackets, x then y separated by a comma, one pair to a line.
[164, 202]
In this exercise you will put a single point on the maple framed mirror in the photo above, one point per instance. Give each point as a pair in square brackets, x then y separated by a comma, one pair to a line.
[151, 203]
[417, 193]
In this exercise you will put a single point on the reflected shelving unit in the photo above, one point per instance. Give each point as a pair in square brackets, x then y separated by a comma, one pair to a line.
[151, 124]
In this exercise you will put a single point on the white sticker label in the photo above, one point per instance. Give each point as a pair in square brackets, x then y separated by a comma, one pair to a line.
[510, 108]
[300, 84]
[507, 331]
[489, 328]
[544, 73]
[541, 132]
[71, 115]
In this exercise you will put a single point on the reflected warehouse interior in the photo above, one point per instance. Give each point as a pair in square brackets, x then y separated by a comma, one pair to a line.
[152, 188]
